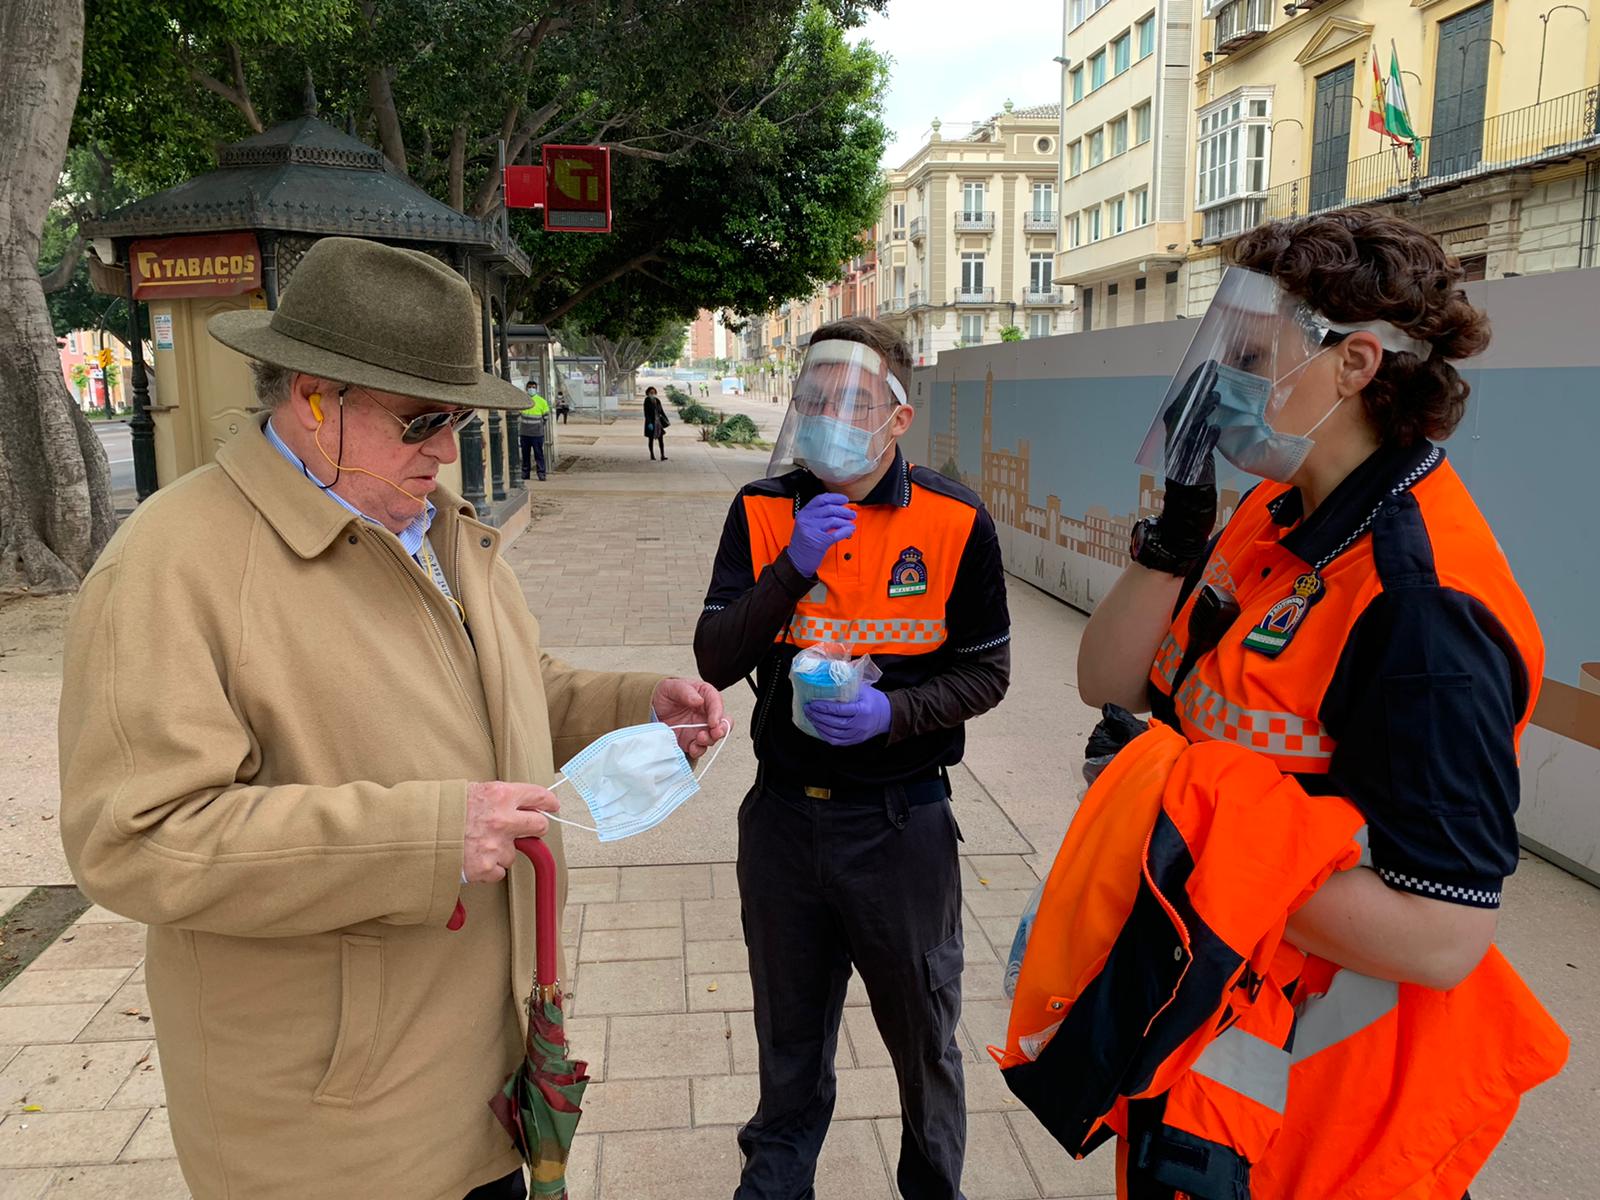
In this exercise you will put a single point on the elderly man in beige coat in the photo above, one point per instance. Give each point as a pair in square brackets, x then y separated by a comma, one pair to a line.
[305, 711]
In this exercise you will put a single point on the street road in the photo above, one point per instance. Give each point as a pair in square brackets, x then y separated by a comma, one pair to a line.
[118, 444]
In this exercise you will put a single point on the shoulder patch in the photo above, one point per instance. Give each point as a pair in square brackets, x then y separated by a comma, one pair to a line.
[936, 481]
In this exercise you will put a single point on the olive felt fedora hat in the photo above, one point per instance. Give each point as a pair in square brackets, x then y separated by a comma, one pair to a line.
[376, 316]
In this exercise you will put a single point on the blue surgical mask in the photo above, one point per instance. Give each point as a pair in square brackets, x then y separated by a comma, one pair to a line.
[836, 451]
[632, 779]
[1246, 438]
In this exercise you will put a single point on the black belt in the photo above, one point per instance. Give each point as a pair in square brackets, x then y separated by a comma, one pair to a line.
[925, 789]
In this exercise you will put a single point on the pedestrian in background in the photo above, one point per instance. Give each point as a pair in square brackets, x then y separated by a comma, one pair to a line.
[847, 842]
[532, 429]
[337, 730]
[655, 424]
[563, 405]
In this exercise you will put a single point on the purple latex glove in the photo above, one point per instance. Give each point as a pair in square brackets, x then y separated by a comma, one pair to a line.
[824, 520]
[849, 722]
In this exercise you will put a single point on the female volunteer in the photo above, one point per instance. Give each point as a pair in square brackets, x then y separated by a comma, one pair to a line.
[1355, 620]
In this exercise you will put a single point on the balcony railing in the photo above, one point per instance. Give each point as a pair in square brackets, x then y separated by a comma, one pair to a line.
[974, 295]
[1048, 296]
[1557, 128]
[895, 304]
[916, 300]
[1242, 22]
[1039, 222]
[974, 222]
[919, 228]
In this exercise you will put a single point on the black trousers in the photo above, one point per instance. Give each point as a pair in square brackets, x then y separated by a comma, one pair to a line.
[655, 440]
[825, 884]
[536, 445]
[510, 1187]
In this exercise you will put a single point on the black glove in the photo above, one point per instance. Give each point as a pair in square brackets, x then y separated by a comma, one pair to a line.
[1116, 729]
[1190, 509]
[1189, 450]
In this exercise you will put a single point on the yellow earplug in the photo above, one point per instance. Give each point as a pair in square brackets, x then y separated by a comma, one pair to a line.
[315, 400]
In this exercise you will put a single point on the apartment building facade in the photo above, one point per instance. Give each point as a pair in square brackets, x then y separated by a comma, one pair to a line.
[1505, 99]
[709, 340]
[1126, 113]
[969, 234]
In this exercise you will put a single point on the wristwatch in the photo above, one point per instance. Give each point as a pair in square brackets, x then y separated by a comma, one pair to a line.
[1145, 548]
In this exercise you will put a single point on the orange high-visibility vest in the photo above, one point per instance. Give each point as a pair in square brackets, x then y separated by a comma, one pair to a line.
[883, 590]
[1154, 1001]
[1156, 966]
[1394, 1090]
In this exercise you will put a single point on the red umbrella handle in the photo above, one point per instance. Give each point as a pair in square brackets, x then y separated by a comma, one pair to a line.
[547, 916]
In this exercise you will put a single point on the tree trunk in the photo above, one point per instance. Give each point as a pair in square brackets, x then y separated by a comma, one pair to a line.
[380, 94]
[458, 168]
[55, 484]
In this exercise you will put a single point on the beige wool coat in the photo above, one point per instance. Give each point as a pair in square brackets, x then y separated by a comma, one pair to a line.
[268, 722]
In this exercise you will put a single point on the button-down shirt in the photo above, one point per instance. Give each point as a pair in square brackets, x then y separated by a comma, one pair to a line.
[411, 537]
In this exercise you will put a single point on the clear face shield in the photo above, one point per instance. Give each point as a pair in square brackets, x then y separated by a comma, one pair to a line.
[837, 426]
[1236, 387]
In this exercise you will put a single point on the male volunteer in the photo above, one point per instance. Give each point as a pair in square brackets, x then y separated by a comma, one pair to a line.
[847, 845]
[304, 711]
[531, 428]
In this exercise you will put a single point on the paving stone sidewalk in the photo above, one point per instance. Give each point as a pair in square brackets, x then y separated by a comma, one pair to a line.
[615, 563]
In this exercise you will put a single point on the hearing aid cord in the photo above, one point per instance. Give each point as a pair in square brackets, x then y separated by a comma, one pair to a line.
[315, 400]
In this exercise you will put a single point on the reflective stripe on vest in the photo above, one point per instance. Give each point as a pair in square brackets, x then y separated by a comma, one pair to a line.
[1351, 1003]
[1168, 660]
[1282, 734]
[1252, 1067]
[866, 633]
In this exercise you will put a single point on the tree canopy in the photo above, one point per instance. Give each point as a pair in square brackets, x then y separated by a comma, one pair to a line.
[746, 134]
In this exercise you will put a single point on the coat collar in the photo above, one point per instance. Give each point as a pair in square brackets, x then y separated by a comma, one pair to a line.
[1333, 521]
[298, 512]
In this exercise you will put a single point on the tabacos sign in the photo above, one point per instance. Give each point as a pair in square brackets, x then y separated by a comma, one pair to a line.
[225, 264]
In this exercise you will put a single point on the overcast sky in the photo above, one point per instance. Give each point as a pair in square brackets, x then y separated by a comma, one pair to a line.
[960, 60]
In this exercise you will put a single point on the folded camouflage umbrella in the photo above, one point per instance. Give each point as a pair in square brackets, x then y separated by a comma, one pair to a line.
[539, 1105]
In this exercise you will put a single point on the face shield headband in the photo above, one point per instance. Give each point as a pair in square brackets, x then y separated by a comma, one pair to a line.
[845, 397]
[1245, 361]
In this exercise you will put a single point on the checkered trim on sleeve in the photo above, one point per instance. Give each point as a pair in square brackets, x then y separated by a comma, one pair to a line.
[1455, 893]
[989, 645]
[714, 608]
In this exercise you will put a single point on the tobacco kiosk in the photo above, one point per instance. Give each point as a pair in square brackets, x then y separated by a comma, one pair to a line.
[231, 238]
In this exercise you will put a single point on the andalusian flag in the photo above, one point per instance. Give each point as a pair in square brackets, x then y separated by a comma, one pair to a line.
[1396, 112]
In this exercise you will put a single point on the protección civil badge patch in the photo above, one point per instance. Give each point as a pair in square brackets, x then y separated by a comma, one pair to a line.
[910, 574]
[1277, 629]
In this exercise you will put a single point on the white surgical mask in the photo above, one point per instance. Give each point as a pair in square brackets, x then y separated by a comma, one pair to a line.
[835, 451]
[1245, 436]
[632, 779]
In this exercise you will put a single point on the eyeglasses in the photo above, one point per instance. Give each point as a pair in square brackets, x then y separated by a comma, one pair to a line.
[826, 404]
[421, 428]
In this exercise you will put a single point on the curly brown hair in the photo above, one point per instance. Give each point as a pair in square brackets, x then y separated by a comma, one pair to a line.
[1362, 265]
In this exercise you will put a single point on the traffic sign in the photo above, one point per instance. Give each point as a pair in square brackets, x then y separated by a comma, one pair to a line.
[105, 357]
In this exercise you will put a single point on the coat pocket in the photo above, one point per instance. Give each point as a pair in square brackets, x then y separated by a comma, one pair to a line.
[360, 1006]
